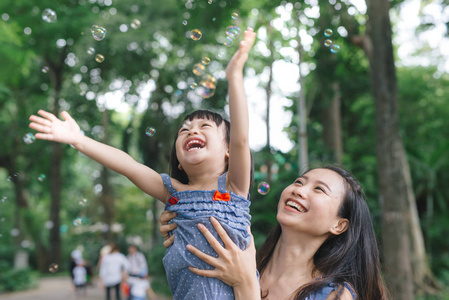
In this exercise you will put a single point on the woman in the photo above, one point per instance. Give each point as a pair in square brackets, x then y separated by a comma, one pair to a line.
[323, 246]
[113, 267]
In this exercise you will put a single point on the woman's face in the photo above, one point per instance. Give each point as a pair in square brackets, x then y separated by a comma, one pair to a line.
[311, 204]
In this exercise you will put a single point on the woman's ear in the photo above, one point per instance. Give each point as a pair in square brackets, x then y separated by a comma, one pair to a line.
[340, 227]
[227, 156]
[180, 167]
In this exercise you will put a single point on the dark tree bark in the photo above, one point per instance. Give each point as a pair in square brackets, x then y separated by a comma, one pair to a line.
[332, 135]
[390, 153]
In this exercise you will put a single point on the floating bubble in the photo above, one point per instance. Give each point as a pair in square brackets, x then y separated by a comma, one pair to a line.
[4, 199]
[25, 244]
[206, 87]
[228, 42]
[53, 268]
[41, 177]
[78, 221]
[193, 85]
[135, 24]
[49, 15]
[150, 131]
[328, 42]
[184, 22]
[63, 228]
[45, 69]
[234, 15]
[210, 1]
[328, 32]
[90, 51]
[99, 58]
[205, 60]
[263, 188]
[29, 138]
[232, 31]
[195, 34]
[83, 202]
[98, 32]
[335, 48]
[1, 235]
[198, 69]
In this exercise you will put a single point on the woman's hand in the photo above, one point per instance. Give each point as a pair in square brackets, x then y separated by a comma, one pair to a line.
[233, 266]
[166, 228]
[53, 129]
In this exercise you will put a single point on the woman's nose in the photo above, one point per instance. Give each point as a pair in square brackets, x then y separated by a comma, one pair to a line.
[299, 191]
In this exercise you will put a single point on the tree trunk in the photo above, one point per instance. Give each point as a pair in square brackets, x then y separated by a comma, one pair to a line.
[303, 156]
[332, 125]
[269, 162]
[106, 195]
[392, 163]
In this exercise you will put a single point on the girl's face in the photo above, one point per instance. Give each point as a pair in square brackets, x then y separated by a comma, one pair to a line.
[199, 140]
[311, 204]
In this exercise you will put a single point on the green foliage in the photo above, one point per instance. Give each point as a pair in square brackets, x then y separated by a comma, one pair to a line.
[17, 280]
[156, 270]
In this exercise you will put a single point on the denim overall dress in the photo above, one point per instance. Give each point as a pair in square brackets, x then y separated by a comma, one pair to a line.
[323, 294]
[193, 207]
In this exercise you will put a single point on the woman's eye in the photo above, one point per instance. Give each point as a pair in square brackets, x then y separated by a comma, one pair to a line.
[319, 188]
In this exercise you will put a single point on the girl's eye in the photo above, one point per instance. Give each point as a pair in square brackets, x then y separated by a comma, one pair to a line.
[182, 129]
[206, 125]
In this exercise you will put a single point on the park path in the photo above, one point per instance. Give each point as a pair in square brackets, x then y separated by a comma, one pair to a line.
[59, 288]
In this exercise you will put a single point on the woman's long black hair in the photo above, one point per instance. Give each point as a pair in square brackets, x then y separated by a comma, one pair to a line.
[351, 257]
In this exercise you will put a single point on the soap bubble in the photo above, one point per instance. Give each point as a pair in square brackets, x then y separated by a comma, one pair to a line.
[263, 188]
[83, 202]
[184, 22]
[198, 69]
[195, 34]
[232, 31]
[45, 69]
[29, 138]
[328, 42]
[78, 221]
[49, 15]
[98, 32]
[205, 60]
[99, 58]
[234, 15]
[210, 1]
[193, 85]
[150, 131]
[328, 32]
[41, 177]
[135, 24]
[206, 87]
[53, 268]
[335, 48]
[228, 42]
[90, 51]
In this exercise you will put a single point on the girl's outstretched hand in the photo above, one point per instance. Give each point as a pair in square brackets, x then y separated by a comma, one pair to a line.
[233, 266]
[53, 129]
[238, 60]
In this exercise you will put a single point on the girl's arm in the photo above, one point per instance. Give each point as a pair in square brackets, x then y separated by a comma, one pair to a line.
[238, 178]
[53, 129]
[233, 266]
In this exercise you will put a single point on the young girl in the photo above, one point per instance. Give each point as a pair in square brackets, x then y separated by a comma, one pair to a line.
[211, 177]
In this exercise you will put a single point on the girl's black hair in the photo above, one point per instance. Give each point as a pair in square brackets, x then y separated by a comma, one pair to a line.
[351, 257]
[181, 175]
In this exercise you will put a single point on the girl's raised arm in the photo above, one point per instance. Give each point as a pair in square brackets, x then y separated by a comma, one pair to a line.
[52, 128]
[240, 158]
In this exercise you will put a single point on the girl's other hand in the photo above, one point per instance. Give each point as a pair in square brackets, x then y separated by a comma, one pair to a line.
[235, 65]
[53, 129]
[166, 228]
[233, 266]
